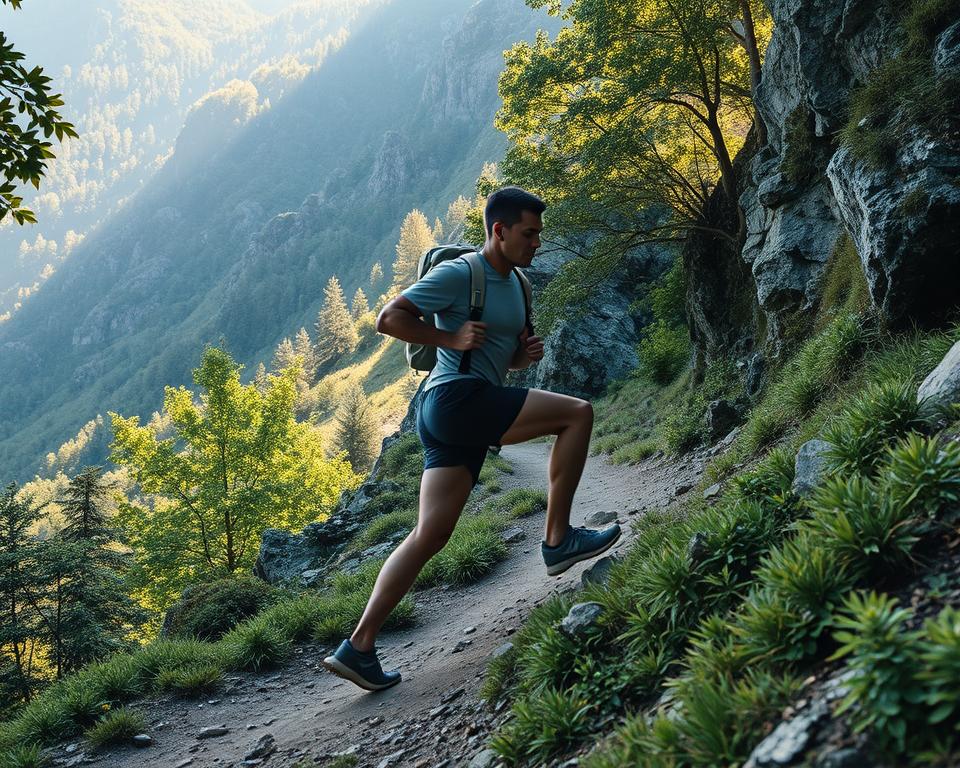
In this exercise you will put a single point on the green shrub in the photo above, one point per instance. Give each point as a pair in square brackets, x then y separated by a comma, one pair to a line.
[498, 675]
[82, 704]
[862, 526]
[877, 416]
[922, 476]
[664, 351]
[543, 726]
[115, 680]
[519, 502]
[207, 611]
[191, 682]
[940, 668]
[116, 727]
[254, 646]
[383, 527]
[295, 617]
[23, 757]
[403, 461]
[683, 428]
[883, 691]
[162, 655]
[393, 502]
[634, 452]
[43, 721]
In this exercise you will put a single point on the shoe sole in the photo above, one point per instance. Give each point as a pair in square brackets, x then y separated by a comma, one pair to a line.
[340, 669]
[563, 565]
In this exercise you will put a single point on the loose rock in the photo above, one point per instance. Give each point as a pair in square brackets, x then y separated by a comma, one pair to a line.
[580, 618]
[601, 517]
[213, 732]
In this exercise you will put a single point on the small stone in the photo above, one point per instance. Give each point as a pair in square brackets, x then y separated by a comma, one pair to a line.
[513, 535]
[697, 548]
[265, 746]
[142, 740]
[810, 466]
[682, 488]
[501, 650]
[599, 571]
[392, 759]
[250, 726]
[713, 490]
[601, 517]
[212, 732]
[486, 758]
[460, 646]
[376, 720]
[580, 618]
[184, 763]
[469, 630]
[446, 698]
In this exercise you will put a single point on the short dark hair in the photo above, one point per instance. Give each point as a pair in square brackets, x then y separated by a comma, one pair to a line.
[507, 205]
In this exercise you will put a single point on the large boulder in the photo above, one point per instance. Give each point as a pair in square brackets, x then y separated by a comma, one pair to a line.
[941, 389]
[304, 557]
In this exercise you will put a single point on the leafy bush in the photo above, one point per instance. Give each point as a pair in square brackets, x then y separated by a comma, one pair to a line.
[384, 527]
[23, 757]
[664, 351]
[940, 668]
[543, 726]
[116, 727]
[403, 461]
[254, 646]
[883, 691]
[862, 526]
[192, 682]
[876, 417]
[207, 611]
[922, 476]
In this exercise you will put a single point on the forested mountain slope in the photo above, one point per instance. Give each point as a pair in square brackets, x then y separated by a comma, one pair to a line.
[131, 72]
[399, 117]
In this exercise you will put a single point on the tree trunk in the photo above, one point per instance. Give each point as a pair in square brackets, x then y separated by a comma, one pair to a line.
[753, 55]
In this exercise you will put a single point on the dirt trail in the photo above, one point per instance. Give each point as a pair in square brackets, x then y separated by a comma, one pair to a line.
[433, 717]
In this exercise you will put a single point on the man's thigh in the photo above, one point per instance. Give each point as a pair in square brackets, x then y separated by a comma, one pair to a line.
[546, 413]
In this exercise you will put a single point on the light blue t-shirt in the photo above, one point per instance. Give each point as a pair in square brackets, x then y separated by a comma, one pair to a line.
[445, 292]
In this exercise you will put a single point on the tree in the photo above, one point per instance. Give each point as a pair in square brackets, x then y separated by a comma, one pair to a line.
[635, 107]
[86, 608]
[237, 463]
[23, 154]
[376, 275]
[358, 430]
[336, 334]
[437, 231]
[303, 348]
[17, 573]
[360, 306]
[488, 181]
[456, 217]
[415, 238]
[283, 356]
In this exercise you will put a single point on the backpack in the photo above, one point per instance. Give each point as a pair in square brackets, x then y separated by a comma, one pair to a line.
[423, 357]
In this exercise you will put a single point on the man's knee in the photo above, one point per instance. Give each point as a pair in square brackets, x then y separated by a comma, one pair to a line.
[583, 412]
[429, 542]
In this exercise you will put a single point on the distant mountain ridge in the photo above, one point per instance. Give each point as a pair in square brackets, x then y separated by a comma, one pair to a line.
[237, 247]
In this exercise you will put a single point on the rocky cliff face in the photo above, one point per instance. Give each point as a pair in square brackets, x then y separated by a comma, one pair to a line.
[804, 189]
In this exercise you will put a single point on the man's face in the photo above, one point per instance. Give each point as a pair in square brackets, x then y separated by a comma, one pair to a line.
[520, 241]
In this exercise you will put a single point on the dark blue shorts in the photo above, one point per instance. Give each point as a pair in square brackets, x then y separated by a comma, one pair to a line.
[457, 422]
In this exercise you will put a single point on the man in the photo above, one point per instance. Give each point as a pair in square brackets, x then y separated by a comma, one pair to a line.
[461, 414]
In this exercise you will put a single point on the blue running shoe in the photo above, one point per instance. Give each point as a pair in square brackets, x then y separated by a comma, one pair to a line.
[579, 544]
[360, 668]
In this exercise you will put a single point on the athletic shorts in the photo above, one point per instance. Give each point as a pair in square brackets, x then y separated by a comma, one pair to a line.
[458, 420]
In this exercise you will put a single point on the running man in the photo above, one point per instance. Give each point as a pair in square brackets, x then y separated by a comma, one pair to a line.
[461, 414]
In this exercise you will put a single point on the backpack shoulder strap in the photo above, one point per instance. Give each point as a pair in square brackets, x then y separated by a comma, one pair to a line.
[478, 295]
[527, 296]
[478, 284]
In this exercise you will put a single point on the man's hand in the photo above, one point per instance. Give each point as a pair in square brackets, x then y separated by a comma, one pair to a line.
[529, 350]
[470, 335]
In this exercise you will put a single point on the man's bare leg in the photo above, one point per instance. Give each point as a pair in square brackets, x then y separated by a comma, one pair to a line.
[443, 493]
[571, 420]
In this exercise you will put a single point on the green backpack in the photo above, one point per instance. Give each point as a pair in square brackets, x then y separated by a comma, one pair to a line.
[423, 357]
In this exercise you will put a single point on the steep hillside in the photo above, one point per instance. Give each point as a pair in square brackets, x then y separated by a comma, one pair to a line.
[130, 71]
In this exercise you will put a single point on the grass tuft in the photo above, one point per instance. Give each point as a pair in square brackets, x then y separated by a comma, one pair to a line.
[116, 727]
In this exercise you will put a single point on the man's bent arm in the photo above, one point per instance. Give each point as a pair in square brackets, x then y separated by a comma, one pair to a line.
[402, 319]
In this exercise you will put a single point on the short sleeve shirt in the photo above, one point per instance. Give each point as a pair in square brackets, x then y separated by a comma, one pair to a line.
[445, 293]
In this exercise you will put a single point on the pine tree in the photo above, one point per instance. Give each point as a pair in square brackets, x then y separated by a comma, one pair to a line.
[260, 380]
[357, 431]
[376, 275]
[18, 572]
[303, 347]
[283, 356]
[336, 333]
[88, 609]
[437, 230]
[360, 304]
[415, 238]
[456, 217]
